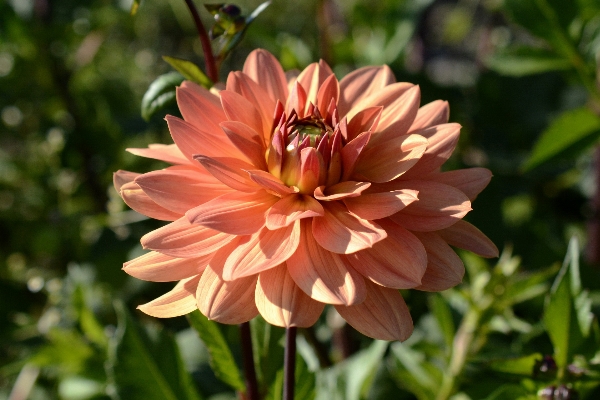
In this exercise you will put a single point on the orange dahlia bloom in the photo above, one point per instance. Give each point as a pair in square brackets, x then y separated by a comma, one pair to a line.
[288, 193]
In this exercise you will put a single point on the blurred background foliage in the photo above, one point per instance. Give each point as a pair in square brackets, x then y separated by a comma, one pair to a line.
[521, 77]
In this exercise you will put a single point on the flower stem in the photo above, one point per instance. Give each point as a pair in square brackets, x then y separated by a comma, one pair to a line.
[248, 359]
[209, 59]
[289, 366]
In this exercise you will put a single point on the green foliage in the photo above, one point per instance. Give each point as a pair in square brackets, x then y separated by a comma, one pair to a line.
[523, 61]
[161, 93]
[189, 70]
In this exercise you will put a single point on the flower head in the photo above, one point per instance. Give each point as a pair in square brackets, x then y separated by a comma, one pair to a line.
[291, 192]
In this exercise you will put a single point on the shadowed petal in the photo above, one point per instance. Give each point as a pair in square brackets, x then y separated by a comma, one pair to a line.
[470, 181]
[330, 89]
[200, 107]
[341, 190]
[157, 267]
[323, 275]
[380, 205]
[230, 171]
[341, 232]
[236, 213]
[351, 152]
[270, 183]
[439, 207]
[135, 197]
[435, 113]
[182, 239]
[363, 83]
[444, 268]
[247, 140]
[466, 236]
[292, 208]
[282, 303]
[397, 116]
[364, 121]
[238, 108]
[442, 140]
[383, 315]
[261, 251]
[179, 301]
[164, 152]
[265, 70]
[312, 78]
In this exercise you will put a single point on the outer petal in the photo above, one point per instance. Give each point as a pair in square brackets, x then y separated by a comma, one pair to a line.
[380, 205]
[342, 232]
[362, 83]
[397, 116]
[470, 181]
[444, 268]
[137, 199]
[200, 107]
[247, 140]
[364, 121]
[435, 113]
[182, 239]
[180, 188]
[179, 301]
[230, 171]
[399, 261]
[238, 108]
[383, 97]
[323, 275]
[121, 177]
[439, 207]
[466, 236]
[383, 315]
[282, 303]
[292, 208]
[442, 142]
[164, 152]
[270, 183]
[156, 267]
[265, 70]
[341, 190]
[261, 251]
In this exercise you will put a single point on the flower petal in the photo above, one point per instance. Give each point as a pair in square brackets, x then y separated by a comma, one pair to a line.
[363, 83]
[265, 70]
[341, 190]
[351, 152]
[380, 205]
[444, 268]
[382, 97]
[157, 267]
[164, 152]
[439, 207]
[179, 301]
[282, 303]
[181, 188]
[470, 181]
[341, 232]
[247, 140]
[261, 251]
[270, 183]
[399, 261]
[236, 213]
[200, 107]
[435, 113]
[383, 315]
[230, 171]
[292, 208]
[466, 236]
[364, 121]
[397, 116]
[323, 275]
[182, 239]
[442, 140]
[122, 177]
[135, 197]
[238, 108]
[312, 78]
[329, 90]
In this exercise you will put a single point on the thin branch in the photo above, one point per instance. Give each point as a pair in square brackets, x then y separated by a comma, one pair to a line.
[289, 366]
[248, 359]
[209, 59]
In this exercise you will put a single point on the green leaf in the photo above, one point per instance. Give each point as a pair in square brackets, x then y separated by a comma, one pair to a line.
[135, 6]
[160, 94]
[304, 382]
[190, 71]
[572, 128]
[146, 367]
[221, 359]
[443, 315]
[268, 350]
[510, 391]
[517, 366]
[524, 61]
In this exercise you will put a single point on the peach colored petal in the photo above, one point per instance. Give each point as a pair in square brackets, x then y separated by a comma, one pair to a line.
[164, 152]
[297, 100]
[364, 121]
[389, 160]
[270, 183]
[156, 267]
[444, 268]
[182, 239]
[351, 152]
[226, 302]
[399, 261]
[397, 116]
[238, 108]
[470, 181]
[254, 152]
[137, 199]
[179, 301]
[282, 303]
[265, 70]
[323, 275]
[380, 205]
[122, 177]
[435, 113]
[363, 83]
[383, 315]
[261, 251]
[439, 207]
[442, 140]
[236, 213]
[341, 232]
[329, 91]
[292, 208]
[341, 190]
[200, 107]
[230, 171]
[383, 97]
[312, 78]
[466, 236]
[180, 188]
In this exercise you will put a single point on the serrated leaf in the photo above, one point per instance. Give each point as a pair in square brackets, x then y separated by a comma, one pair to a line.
[160, 94]
[575, 127]
[221, 359]
[526, 61]
[146, 368]
[135, 6]
[190, 71]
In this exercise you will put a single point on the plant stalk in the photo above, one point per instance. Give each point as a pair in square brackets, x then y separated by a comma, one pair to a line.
[209, 59]
[252, 392]
[289, 366]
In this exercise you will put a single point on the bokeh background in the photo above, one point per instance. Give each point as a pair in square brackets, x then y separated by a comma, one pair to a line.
[72, 76]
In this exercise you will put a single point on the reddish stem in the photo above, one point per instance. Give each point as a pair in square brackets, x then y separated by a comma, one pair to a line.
[209, 59]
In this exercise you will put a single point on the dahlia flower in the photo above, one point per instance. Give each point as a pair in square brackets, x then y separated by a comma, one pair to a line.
[290, 192]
